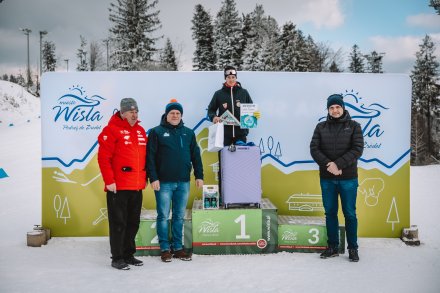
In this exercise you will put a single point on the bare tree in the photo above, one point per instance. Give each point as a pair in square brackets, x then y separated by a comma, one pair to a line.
[96, 58]
[418, 140]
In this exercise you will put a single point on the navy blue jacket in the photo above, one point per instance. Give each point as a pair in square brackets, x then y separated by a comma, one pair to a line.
[171, 153]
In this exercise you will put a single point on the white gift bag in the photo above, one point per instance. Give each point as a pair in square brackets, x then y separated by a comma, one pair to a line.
[215, 137]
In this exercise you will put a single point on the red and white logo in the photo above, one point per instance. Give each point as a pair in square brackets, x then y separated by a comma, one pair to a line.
[261, 243]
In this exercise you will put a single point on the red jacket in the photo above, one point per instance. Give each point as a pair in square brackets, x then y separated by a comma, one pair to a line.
[122, 154]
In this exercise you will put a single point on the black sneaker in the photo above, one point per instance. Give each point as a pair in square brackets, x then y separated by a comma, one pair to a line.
[329, 252]
[134, 261]
[353, 255]
[120, 264]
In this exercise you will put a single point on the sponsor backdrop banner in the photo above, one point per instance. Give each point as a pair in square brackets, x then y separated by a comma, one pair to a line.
[77, 106]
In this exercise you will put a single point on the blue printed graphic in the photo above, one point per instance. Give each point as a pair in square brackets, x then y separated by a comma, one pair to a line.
[77, 107]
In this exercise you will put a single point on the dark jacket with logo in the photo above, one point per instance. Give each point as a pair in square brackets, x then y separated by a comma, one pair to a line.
[339, 141]
[230, 98]
[172, 152]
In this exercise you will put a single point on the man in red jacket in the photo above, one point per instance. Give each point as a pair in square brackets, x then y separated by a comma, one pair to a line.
[121, 157]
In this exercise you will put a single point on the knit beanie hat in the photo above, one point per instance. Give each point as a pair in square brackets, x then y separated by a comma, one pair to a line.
[335, 99]
[128, 104]
[230, 70]
[173, 105]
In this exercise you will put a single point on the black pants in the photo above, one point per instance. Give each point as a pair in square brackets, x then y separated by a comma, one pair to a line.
[124, 210]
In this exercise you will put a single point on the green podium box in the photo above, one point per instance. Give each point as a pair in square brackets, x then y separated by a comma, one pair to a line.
[234, 231]
[305, 234]
[147, 242]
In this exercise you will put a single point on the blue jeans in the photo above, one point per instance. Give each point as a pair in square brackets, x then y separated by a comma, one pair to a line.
[175, 195]
[347, 189]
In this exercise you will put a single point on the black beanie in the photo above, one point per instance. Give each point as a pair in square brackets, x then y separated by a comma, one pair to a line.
[230, 70]
[335, 99]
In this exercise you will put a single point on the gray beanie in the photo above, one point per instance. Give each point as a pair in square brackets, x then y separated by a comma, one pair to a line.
[128, 104]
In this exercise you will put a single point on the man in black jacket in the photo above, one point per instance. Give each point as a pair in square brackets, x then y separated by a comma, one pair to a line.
[336, 145]
[172, 153]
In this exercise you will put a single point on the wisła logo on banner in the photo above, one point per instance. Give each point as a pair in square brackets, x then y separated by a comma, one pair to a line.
[369, 115]
[77, 111]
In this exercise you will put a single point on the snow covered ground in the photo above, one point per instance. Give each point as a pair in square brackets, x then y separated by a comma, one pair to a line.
[83, 264]
[17, 106]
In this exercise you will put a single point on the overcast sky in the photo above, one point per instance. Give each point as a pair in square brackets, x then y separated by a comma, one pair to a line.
[394, 27]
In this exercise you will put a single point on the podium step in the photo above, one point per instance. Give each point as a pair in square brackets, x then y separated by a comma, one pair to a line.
[305, 234]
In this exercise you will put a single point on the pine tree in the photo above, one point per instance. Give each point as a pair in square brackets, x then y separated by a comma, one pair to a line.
[254, 33]
[49, 59]
[289, 56]
[20, 80]
[5, 77]
[436, 5]
[356, 60]
[202, 34]
[228, 36]
[271, 48]
[82, 55]
[313, 61]
[334, 67]
[13, 79]
[134, 22]
[168, 57]
[302, 53]
[374, 62]
[425, 108]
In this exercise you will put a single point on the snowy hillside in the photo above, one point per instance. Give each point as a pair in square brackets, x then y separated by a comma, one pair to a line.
[17, 106]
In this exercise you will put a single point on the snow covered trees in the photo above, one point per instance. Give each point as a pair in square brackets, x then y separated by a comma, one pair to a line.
[202, 34]
[255, 42]
[425, 110]
[228, 40]
[435, 4]
[49, 60]
[356, 60]
[134, 22]
[82, 56]
[374, 62]
[168, 57]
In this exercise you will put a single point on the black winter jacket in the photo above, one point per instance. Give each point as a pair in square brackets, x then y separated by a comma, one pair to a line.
[339, 141]
[171, 152]
[221, 101]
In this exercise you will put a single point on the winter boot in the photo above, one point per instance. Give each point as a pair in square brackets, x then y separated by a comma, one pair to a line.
[329, 252]
[353, 255]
